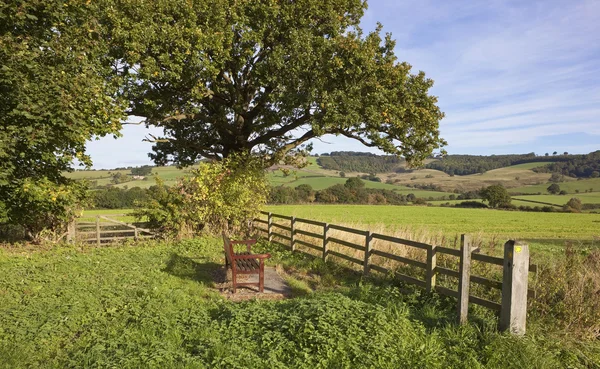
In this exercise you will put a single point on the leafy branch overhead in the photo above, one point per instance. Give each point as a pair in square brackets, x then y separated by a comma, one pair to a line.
[222, 77]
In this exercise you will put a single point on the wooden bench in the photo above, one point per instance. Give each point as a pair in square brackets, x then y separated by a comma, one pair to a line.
[244, 263]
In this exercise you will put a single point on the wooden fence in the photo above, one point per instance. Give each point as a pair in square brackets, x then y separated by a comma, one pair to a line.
[515, 264]
[105, 229]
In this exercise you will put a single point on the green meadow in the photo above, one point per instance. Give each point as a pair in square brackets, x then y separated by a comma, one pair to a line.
[155, 305]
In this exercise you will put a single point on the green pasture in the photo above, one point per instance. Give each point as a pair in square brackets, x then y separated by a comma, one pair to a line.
[586, 198]
[155, 305]
[123, 215]
[544, 231]
[513, 202]
[571, 186]
[531, 165]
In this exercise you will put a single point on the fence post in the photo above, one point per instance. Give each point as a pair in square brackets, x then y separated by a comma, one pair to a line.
[325, 241]
[368, 239]
[292, 230]
[464, 278]
[98, 230]
[269, 222]
[431, 264]
[135, 235]
[513, 314]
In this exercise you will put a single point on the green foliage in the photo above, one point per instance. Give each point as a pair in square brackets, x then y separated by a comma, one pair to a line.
[223, 77]
[117, 198]
[496, 196]
[349, 161]
[471, 164]
[580, 166]
[144, 170]
[56, 93]
[216, 196]
[553, 189]
[573, 205]
[41, 207]
[119, 177]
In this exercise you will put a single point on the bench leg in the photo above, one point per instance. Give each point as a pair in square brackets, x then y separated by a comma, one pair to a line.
[233, 280]
[261, 277]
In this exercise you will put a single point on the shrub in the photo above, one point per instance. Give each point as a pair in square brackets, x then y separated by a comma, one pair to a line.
[42, 208]
[215, 197]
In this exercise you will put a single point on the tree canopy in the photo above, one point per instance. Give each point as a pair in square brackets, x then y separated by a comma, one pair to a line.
[496, 196]
[267, 76]
[57, 91]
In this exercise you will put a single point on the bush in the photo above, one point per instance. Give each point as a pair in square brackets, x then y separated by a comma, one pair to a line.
[42, 208]
[215, 197]
[471, 204]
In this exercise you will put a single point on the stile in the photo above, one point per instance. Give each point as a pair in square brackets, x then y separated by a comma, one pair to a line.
[464, 278]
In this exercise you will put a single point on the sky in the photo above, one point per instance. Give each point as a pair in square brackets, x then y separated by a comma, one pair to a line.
[511, 76]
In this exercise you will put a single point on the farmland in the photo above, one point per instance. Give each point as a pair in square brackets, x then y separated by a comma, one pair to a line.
[546, 232]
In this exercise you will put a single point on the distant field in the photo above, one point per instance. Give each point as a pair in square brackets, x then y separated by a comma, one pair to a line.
[586, 198]
[123, 215]
[453, 221]
[514, 202]
[570, 187]
[531, 165]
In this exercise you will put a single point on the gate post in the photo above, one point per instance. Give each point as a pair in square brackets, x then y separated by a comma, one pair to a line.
[464, 278]
[513, 314]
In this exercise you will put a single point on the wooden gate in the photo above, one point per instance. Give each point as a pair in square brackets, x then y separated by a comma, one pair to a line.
[106, 229]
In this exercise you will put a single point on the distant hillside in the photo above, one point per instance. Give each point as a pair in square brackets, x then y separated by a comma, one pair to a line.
[471, 164]
[579, 166]
[363, 162]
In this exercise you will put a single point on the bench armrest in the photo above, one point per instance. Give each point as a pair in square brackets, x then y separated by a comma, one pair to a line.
[252, 256]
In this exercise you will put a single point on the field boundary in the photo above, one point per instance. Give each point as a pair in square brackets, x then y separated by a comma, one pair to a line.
[515, 263]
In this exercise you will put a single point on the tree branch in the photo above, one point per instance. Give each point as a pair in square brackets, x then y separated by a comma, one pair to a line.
[281, 131]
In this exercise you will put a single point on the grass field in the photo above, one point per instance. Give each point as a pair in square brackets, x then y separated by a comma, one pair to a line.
[531, 165]
[586, 198]
[545, 232]
[154, 306]
[582, 185]
[513, 202]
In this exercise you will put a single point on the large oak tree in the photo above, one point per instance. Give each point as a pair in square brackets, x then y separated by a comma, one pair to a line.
[266, 76]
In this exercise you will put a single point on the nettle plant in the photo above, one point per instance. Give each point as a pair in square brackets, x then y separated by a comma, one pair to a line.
[216, 196]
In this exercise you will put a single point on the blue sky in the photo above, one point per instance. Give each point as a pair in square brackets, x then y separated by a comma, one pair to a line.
[511, 76]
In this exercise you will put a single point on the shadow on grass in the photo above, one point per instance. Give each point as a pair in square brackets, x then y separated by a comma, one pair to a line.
[187, 268]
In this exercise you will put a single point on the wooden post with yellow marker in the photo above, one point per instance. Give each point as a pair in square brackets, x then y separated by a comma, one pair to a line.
[513, 314]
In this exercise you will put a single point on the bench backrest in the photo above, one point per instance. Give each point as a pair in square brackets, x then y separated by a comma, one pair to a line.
[228, 249]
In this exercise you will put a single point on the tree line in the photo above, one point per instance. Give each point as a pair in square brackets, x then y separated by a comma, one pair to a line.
[471, 164]
[349, 161]
[579, 166]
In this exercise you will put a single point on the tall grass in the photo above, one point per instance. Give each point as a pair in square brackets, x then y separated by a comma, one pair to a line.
[567, 289]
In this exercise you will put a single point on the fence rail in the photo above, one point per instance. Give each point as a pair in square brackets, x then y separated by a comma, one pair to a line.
[515, 265]
[104, 225]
